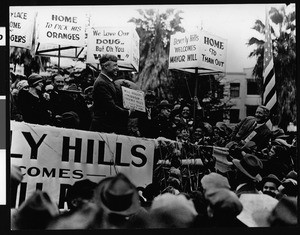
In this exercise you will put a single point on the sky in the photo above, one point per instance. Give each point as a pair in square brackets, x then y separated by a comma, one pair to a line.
[229, 21]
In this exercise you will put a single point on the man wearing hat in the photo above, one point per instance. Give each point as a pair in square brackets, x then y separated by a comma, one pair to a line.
[107, 111]
[35, 213]
[73, 101]
[145, 120]
[162, 123]
[247, 174]
[33, 105]
[269, 185]
[56, 96]
[118, 199]
[80, 193]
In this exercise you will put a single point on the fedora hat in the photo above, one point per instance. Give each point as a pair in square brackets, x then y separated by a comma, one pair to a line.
[72, 88]
[164, 104]
[292, 175]
[250, 165]
[117, 195]
[35, 212]
[270, 178]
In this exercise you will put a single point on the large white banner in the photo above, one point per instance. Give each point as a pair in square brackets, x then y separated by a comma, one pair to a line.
[120, 41]
[61, 27]
[54, 158]
[21, 25]
[198, 49]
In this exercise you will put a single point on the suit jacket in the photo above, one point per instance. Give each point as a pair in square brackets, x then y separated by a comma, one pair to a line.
[244, 129]
[33, 109]
[108, 113]
[146, 124]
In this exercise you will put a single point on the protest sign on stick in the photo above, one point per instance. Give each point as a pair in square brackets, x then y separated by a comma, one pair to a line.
[197, 52]
[21, 26]
[61, 27]
[199, 49]
[120, 41]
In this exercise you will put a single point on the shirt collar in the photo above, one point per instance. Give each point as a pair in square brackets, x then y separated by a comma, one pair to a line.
[107, 77]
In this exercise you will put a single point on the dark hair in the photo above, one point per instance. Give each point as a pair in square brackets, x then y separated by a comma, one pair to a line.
[108, 57]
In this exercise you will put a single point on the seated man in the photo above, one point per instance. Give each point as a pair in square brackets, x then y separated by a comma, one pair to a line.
[253, 129]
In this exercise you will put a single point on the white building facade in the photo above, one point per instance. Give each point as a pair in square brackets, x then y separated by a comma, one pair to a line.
[241, 92]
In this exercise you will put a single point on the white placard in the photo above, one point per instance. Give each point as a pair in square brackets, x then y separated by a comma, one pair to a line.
[122, 42]
[134, 99]
[21, 26]
[61, 27]
[54, 158]
[2, 36]
[198, 49]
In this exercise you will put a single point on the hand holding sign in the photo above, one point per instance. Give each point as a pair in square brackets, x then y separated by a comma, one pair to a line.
[133, 99]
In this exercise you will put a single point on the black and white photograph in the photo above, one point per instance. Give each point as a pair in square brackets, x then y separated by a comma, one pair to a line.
[163, 116]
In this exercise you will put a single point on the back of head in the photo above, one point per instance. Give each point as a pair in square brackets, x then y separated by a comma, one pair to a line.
[70, 119]
[172, 211]
[285, 213]
[214, 180]
[108, 57]
[35, 212]
[80, 190]
[224, 203]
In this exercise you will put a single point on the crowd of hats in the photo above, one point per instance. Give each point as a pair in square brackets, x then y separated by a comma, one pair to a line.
[115, 203]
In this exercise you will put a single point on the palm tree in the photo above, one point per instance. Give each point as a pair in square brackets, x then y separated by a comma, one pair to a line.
[154, 29]
[284, 54]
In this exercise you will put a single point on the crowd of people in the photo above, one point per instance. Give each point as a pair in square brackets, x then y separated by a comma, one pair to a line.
[116, 203]
[260, 189]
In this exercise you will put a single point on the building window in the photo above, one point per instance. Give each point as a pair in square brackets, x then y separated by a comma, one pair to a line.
[250, 110]
[234, 115]
[234, 90]
[252, 87]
